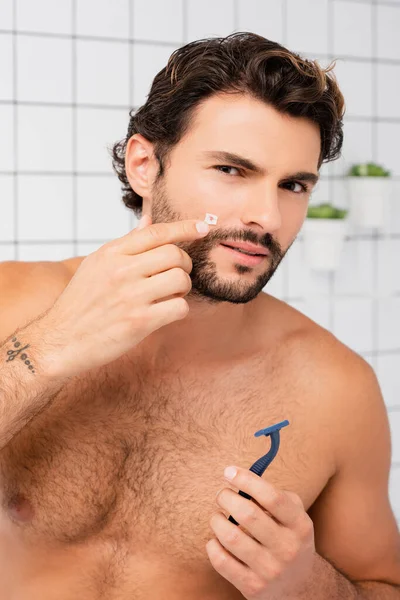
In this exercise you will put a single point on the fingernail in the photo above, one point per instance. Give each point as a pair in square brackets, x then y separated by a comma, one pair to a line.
[202, 227]
[230, 472]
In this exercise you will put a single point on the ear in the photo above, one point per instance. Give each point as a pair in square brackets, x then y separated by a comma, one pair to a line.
[141, 165]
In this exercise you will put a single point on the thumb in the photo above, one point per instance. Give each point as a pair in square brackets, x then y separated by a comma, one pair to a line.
[144, 222]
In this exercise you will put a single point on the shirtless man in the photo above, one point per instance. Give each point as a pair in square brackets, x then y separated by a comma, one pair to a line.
[133, 385]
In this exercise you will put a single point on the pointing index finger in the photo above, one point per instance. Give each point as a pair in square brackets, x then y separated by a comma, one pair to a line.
[158, 234]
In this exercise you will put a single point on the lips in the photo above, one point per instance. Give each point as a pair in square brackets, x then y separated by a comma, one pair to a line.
[246, 247]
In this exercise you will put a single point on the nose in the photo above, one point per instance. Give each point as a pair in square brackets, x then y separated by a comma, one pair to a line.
[262, 208]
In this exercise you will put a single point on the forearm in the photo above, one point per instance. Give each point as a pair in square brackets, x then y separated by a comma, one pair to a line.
[329, 584]
[25, 386]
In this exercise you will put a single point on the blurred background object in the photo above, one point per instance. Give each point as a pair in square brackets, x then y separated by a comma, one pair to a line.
[72, 69]
[370, 193]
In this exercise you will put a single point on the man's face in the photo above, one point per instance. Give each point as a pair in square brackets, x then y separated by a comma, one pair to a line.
[266, 208]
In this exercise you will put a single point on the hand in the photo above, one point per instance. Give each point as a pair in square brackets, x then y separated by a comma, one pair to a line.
[119, 295]
[278, 549]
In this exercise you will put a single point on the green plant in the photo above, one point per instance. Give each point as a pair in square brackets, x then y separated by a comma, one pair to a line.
[367, 170]
[326, 211]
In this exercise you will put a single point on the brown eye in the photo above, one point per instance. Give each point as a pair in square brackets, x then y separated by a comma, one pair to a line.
[218, 167]
[304, 188]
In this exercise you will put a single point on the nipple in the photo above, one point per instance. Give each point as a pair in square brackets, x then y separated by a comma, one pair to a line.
[20, 509]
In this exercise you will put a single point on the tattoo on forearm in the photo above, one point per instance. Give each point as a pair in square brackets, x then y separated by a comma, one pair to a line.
[12, 354]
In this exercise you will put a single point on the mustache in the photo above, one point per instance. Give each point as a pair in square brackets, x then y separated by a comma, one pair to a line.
[267, 241]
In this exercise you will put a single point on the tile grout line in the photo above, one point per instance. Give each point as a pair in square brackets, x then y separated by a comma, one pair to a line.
[375, 265]
[55, 104]
[15, 129]
[173, 45]
[74, 84]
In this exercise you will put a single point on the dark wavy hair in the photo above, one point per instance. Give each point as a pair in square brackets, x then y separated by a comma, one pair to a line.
[244, 63]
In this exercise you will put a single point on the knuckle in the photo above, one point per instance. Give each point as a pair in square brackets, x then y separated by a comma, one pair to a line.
[106, 248]
[118, 275]
[220, 560]
[105, 255]
[181, 307]
[182, 279]
[274, 569]
[174, 253]
[295, 498]
[139, 319]
[249, 515]
[233, 537]
[305, 528]
[277, 499]
[187, 261]
[291, 552]
[186, 282]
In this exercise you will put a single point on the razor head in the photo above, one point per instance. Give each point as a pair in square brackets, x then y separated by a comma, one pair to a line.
[269, 430]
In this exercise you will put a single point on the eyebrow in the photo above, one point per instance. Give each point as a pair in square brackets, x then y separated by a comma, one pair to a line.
[248, 164]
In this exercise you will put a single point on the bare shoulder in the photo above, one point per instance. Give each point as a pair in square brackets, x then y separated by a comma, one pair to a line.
[338, 385]
[311, 346]
[29, 288]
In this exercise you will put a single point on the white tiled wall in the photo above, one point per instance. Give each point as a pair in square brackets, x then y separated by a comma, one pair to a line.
[72, 69]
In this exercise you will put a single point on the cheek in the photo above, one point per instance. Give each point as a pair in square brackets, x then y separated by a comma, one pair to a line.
[293, 215]
[194, 194]
[209, 189]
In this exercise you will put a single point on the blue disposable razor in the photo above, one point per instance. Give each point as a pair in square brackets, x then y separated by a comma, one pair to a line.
[262, 463]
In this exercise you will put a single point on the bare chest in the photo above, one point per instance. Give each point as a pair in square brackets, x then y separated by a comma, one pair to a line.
[139, 460]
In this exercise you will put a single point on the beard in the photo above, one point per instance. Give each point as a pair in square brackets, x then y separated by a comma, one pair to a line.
[206, 284]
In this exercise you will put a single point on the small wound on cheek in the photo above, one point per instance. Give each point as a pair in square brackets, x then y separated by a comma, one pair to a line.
[211, 219]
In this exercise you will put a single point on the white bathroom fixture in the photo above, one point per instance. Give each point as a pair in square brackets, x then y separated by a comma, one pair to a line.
[323, 242]
[369, 201]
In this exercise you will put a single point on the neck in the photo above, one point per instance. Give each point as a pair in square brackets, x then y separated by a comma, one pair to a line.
[210, 331]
